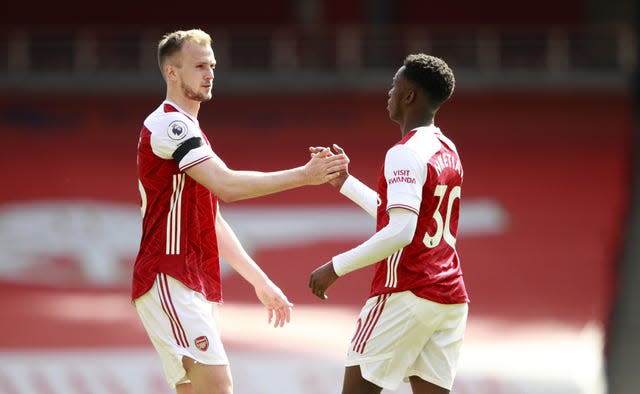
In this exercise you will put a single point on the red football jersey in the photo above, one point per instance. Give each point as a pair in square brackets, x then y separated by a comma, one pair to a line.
[178, 214]
[423, 173]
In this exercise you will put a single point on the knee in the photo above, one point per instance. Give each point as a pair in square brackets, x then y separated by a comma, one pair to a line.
[222, 388]
[208, 379]
[213, 387]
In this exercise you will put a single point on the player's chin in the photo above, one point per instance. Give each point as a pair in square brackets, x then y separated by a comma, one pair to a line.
[206, 95]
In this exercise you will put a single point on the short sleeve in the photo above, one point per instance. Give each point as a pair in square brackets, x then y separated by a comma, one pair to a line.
[176, 137]
[405, 175]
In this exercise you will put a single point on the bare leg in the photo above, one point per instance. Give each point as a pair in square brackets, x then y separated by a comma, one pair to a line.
[354, 383]
[420, 386]
[184, 388]
[206, 379]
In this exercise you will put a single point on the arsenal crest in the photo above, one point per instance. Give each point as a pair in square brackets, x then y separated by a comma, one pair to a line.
[202, 343]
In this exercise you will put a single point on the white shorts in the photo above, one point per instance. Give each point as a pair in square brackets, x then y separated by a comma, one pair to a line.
[180, 322]
[400, 335]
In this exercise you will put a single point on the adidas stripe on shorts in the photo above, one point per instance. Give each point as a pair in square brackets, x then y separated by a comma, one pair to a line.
[400, 335]
[180, 322]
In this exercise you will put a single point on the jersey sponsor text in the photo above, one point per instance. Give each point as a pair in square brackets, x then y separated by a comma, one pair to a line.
[402, 176]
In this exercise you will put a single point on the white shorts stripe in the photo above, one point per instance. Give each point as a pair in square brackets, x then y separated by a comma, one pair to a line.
[372, 319]
[412, 336]
[170, 311]
[166, 312]
[180, 323]
[361, 326]
[377, 311]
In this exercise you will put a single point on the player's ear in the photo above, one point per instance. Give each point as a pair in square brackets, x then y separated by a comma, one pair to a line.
[410, 96]
[170, 72]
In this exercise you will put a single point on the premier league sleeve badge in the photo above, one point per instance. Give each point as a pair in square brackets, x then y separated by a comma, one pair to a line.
[177, 130]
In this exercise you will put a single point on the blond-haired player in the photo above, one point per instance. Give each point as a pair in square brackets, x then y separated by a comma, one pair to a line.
[176, 276]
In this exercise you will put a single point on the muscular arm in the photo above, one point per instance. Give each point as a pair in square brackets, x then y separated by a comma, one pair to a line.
[269, 294]
[232, 185]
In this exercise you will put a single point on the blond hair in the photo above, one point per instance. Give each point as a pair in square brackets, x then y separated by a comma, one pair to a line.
[171, 43]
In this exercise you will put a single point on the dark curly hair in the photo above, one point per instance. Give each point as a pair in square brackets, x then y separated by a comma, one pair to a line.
[432, 75]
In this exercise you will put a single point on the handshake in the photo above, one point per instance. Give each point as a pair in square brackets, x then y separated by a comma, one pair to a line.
[327, 165]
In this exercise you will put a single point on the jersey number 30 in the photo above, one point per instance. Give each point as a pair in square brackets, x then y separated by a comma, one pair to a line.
[442, 229]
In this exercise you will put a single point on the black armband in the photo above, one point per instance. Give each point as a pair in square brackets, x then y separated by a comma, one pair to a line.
[186, 147]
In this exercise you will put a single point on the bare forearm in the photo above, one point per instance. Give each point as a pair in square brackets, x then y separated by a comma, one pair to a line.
[232, 185]
[270, 295]
[241, 185]
[233, 253]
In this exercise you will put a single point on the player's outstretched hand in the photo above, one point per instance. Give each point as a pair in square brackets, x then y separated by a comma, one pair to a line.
[324, 166]
[342, 175]
[321, 279]
[277, 304]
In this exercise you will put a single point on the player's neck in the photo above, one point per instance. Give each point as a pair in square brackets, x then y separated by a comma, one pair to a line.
[191, 107]
[411, 123]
